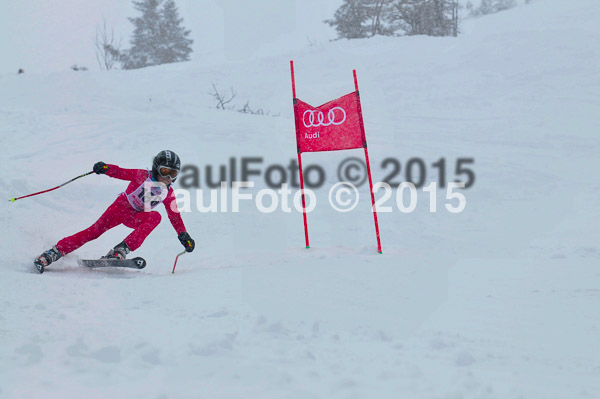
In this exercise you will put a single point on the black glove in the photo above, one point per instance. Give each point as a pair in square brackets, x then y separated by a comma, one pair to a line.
[186, 241]
[100, 168]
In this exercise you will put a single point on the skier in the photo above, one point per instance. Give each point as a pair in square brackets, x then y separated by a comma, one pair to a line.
[132, 208]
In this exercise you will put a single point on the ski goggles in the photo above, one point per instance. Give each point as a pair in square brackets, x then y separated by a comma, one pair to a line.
[165, 171]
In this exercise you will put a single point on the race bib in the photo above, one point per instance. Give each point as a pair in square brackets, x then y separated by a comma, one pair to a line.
[147, 195]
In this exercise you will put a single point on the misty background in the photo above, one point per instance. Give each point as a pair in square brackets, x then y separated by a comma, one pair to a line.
[54, 35]
[47, 35]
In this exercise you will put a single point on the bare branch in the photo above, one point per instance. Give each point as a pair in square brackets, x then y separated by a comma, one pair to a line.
[220, 98]
[108, 51]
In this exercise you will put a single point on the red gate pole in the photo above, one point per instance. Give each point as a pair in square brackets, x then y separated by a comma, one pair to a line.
[373, 202]
[299, 158]
[293, 80]
[303, 201]
[362, 127]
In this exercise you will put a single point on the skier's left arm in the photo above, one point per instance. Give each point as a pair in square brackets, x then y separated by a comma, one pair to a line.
[177, 222]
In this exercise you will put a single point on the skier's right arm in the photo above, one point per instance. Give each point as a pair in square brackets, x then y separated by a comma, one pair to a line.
[115, 171]
[100, 168]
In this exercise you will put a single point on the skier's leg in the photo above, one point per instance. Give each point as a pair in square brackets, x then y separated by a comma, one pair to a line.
[143, 223]
[120, 251]
[47, 257]
[112, 217]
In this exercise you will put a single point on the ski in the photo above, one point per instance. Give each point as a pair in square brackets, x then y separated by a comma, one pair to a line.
[134, 263]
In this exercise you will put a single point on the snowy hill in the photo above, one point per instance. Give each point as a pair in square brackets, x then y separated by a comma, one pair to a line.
[497, 301]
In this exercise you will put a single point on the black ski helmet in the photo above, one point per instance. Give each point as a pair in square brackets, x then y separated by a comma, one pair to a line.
[165, 158]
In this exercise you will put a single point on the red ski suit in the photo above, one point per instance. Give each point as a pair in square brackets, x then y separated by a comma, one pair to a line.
[126, 209]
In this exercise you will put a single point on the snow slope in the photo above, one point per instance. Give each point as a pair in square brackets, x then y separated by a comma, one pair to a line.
[499, 301]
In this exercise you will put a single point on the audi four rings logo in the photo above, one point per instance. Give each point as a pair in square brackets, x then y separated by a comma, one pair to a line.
[335, 116]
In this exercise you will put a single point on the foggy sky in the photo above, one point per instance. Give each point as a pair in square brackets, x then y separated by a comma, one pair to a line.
[52, 35]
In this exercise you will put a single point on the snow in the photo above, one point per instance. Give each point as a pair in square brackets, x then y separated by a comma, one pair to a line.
[498, 301]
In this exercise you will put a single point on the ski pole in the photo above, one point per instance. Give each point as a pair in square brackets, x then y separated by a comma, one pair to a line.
[176, 258]
[45, 191]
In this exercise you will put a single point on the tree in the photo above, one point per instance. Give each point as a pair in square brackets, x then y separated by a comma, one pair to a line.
[378, 12]
[107, 48]
[146, 34]
[365, 18]
[362, 18]
[175, 44]
[502, 5]
[348, 20]
[491, 6]
[158, 36]
[426, 17]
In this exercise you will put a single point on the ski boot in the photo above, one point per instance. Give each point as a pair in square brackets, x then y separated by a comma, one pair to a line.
[42, 261]
[119, 252]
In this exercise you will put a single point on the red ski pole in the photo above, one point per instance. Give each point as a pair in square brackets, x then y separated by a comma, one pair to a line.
[51, 189]
[176, 258]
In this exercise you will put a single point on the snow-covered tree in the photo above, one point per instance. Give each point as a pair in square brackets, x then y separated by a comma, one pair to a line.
[426, 17]
[348, 20]
[378, 12]
[146, 36]
[490, 6]
[502, 5]
[175, 43]
[158, 36]
[365, 18]
[361, 18]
